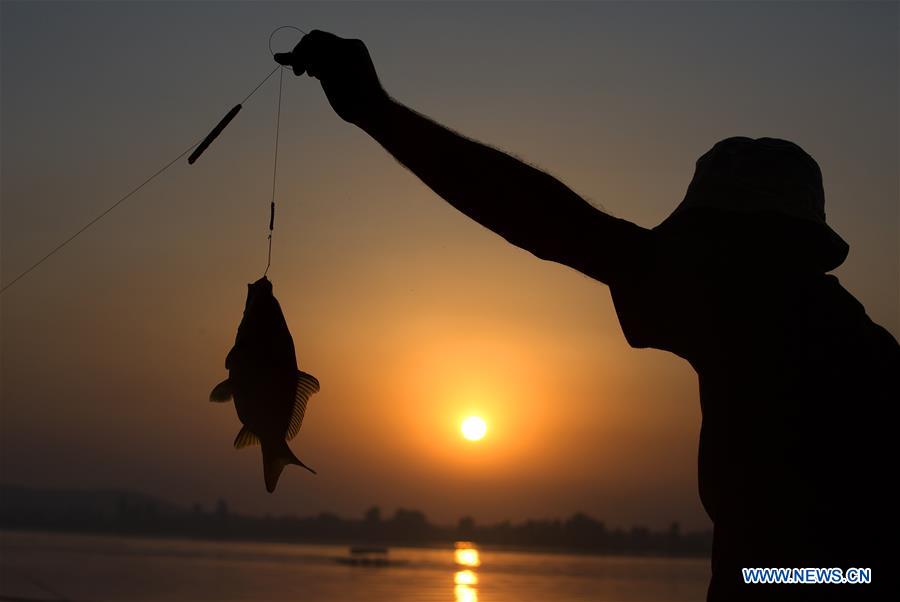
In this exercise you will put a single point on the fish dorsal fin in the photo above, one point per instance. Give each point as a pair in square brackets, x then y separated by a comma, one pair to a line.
[245, 438]
[307, 384]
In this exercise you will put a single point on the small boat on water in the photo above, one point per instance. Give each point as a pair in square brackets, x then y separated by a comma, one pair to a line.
[368, 550]
[369, 556]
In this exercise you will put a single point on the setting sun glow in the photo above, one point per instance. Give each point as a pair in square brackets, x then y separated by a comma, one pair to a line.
[473, 428]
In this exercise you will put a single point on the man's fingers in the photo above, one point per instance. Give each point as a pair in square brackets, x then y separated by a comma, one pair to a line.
[311, 54]
[304, 55]
[288, 58]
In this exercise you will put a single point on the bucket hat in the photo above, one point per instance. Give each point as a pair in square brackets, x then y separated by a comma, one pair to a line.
[765, 177]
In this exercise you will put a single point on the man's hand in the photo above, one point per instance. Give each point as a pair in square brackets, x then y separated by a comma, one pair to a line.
[346, 71]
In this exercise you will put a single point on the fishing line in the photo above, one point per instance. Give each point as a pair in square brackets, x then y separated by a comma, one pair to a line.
[274, 168]
[277, 130]
[259, 85]
[277, 29]
[97, 219]
[196, 145]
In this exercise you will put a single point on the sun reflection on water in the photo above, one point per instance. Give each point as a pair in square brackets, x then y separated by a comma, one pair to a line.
[465, 593]
[466, 555]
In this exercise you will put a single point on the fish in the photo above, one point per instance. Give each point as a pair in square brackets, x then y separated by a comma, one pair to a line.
[270, 392]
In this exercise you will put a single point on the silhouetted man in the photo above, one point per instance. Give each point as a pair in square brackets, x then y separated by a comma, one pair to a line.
[795, 379]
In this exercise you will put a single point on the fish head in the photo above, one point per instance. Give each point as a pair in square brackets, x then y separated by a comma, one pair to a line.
[259, 310]
[261, 289]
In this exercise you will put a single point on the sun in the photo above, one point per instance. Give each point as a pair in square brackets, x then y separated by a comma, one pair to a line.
[473, 428]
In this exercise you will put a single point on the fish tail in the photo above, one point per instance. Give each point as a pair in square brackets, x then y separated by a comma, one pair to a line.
[276, 455]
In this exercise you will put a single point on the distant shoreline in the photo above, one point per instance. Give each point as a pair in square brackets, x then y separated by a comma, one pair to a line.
[133, 514]
[434, 545]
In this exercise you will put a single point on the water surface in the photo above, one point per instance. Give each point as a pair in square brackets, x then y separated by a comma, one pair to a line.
[45, 566]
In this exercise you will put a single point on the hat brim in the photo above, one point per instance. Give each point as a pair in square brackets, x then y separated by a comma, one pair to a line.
[811, 243]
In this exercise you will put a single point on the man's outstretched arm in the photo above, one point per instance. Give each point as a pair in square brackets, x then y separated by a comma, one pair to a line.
[524, 205]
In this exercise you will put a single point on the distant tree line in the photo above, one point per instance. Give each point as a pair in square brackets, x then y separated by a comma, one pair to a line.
[129, 513]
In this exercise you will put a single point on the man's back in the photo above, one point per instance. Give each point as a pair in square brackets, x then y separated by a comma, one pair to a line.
[795, 386]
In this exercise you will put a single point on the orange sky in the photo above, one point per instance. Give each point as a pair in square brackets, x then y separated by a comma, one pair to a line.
[411, 316]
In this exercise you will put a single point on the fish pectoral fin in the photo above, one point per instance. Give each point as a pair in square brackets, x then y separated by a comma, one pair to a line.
[222, 392]
[245, 438]
[307, 384]
[308, 381]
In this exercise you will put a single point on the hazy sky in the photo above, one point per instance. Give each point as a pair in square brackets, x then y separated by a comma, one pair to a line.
[411, 316]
